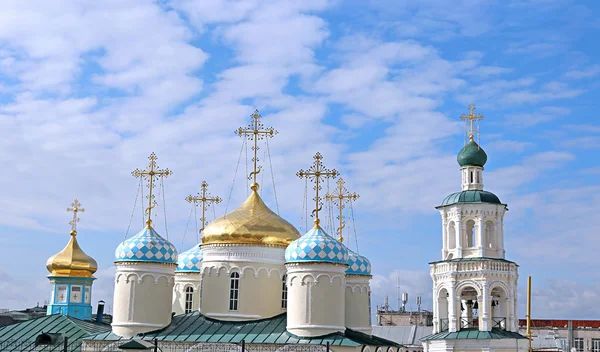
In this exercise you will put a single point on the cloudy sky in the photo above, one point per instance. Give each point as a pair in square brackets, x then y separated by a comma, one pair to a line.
[89, 89]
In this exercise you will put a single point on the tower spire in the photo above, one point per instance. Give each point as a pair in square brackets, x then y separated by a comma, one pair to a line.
[75, 208]
[340, 196]
[149, 174]
[470, 119]
[255, 131]
[317, 173]
[206, 201]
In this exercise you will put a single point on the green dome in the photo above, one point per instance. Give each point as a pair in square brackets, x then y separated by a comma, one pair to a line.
[471, 197]
[471, 155]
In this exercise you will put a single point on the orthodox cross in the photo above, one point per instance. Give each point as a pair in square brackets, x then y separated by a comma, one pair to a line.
[255, 131]
[471, 117]
[340, 196]
[206, 201]
[317, 173]
[75, 208]
[149, 174]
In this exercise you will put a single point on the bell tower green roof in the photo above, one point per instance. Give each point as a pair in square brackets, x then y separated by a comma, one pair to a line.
[471, 155]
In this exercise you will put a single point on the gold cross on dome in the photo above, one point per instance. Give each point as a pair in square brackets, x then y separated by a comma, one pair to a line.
[340, 196]
[255, 131]
[75, 208]
[317, 173]
[206, 201]
[149, 174]
[471, 118]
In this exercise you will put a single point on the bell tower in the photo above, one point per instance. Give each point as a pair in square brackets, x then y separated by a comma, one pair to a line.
[474, 286]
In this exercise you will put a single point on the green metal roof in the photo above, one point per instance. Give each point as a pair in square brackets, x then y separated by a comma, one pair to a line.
[473, 196]
[195, 327]
[474, 259]
[474, 334]
[24, 334]
[471, 155]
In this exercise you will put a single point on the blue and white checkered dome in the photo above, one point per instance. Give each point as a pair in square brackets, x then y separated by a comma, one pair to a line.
[358, 264]
[190, 261]
[147, 246]
[318, 247]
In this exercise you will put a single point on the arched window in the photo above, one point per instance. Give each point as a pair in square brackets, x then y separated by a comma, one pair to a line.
[189, 299]
[471, 176]
[234, 291]
[451, 235]
[470, 235]
[490, 234]
[284, 293]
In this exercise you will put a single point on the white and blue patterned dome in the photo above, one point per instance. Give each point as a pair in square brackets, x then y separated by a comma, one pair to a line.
[316, 246]
[146, 246]
[190, 261]
[358, 264]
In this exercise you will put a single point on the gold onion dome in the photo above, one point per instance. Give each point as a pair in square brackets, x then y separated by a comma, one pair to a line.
[253, 223]
[71, 261]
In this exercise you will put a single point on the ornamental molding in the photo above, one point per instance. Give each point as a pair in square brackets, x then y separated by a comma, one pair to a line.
[362, 288]
[140, 277]
[253, 254]
[181, 286]
[207, 270]
[301, 277]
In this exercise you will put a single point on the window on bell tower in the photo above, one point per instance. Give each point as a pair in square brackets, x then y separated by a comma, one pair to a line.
[284, 293]
[470, 234]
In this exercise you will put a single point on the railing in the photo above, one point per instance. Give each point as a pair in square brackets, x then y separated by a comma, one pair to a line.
[499, 323]
[466, 323]
[492, 265]
[444, 324]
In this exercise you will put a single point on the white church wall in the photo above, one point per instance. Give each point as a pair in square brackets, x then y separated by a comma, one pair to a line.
[137, 287]
[184, 281]
[316, 298]
[259, 293]
[357, 310]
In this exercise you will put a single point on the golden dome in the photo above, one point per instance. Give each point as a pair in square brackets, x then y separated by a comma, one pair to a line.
[253, 223]
[71, 261]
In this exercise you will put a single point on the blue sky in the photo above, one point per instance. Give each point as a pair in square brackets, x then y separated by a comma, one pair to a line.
[88, 91]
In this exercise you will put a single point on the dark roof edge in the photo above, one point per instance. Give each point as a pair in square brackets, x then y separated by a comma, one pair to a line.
[475, 259]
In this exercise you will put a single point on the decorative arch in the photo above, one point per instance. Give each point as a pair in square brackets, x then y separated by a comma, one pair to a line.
[468, 283]
[451, 233]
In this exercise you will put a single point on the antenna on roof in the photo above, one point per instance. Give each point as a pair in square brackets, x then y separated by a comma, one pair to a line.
[398, 288]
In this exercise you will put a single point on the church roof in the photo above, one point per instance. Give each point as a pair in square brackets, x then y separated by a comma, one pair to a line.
[190, 261]
[72, 261]
[471, 155]
[472, 196]
[146, 246]
[253, 223]
[358, 264]
[22, 336]
[474, 334]
[316, 246]
[195, 327]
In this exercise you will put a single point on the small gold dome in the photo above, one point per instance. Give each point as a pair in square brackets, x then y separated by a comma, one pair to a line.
[253, 223]
[71, 261]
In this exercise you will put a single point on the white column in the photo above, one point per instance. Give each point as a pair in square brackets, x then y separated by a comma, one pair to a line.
[485, 301]
[452, 300]
[444, 236]
[480, 234]
[460, 230]
[436, 308]
[500, 235]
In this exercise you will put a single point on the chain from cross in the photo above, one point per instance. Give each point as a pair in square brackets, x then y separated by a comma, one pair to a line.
[471, 117]
[339, 197]
[255, 131]
[149, 174]
[206, 201]
[75, 208]
[317, 173]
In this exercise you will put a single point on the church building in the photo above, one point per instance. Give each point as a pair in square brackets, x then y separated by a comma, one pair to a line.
[474, 286]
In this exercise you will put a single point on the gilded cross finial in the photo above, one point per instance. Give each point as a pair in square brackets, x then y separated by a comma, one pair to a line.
[317, 173]
[340, 196]
[206, 201]
[149, 174]
[471, 119]
[75, 208]
[255, 131]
